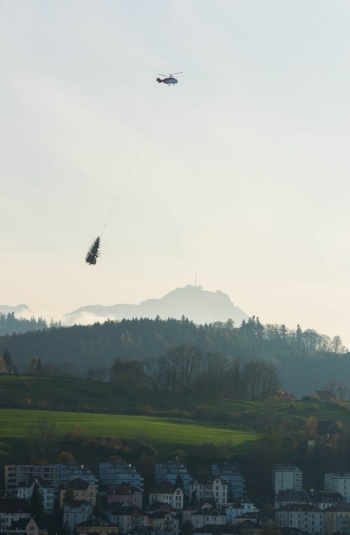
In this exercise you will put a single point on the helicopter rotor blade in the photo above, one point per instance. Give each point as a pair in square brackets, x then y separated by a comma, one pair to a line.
[178, 72]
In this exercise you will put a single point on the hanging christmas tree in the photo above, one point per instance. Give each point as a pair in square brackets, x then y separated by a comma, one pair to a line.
[93, 253]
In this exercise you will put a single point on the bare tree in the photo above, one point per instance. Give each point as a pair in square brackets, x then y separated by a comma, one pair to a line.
[153, 372]
[260, 380]
[337, 345]
[180, 367]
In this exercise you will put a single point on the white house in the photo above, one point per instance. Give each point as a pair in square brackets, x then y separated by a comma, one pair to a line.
[232, 475]
[76, 512]
[303, 517]
[172, 471]
[211, 487]
[235, 510]
[166, 492]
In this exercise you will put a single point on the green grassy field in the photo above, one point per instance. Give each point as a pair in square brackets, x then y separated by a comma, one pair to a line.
[167, 421]
[16, 423]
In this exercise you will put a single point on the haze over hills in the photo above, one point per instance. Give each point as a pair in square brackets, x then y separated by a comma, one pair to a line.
[196, 304]
[22, 311]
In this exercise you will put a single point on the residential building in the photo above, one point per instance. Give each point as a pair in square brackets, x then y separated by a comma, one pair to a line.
[25, 526]
[235, 510]
[211, 487]
[11, 510]
[337, 519]
[124, 516]
[208, 517]
[172, 471]
[290, 496]
[166, 492]
[114, 473]
[303, 517]
[338, 483]
[321, 499]
[79, 490]
[284, 396]
[285, 476]
[25, 491]
[232, 475]
[71, 470]
[126, 493]
[324, 499]
[96, 527]
[76, 512]
[325, 396]
[17, 473]
[160, 521]
[329, 429]
[249, 527]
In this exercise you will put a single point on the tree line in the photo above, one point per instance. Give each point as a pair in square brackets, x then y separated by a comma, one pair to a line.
[304, 359]
[10, 324]
[188, 369]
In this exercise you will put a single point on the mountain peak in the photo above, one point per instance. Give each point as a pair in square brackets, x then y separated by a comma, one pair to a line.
[198, 305]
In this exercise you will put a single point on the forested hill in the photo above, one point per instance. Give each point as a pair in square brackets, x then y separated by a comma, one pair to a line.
[305, 360]
[9, 323]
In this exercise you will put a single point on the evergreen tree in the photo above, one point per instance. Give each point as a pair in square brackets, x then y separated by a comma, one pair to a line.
[37, 502]
[8, 361]
[93, 253]
[179, 482]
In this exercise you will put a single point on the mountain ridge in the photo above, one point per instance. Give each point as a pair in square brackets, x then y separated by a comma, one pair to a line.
[17, 309]
[198, 305]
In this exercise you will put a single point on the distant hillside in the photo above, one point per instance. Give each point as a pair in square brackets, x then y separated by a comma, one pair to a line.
[306, 361]
[19, 320]
[18, 310]
[196, 304]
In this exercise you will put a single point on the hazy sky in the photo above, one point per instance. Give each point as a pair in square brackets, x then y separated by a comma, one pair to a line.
[243, 177]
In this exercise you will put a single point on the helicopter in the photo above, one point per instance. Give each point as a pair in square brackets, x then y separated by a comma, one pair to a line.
[169, 78]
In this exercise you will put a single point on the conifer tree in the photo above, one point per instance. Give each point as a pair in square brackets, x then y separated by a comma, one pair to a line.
[93, 253]
[8, 361]
[37, 502]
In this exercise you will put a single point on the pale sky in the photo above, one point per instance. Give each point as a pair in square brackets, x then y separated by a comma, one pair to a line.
[242, 178]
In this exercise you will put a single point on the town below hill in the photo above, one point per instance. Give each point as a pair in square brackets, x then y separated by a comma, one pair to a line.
[169, 464]
[67, 497]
